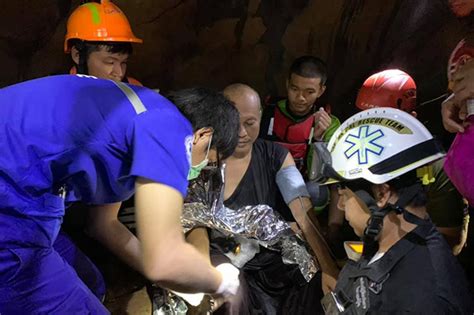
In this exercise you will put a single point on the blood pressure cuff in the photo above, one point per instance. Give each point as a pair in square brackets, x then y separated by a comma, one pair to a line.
[291, 184]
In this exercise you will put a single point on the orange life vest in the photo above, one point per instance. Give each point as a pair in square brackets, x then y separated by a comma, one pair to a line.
[295, 136]
[127, 79]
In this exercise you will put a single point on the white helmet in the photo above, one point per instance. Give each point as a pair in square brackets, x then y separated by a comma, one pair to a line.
[380, 144]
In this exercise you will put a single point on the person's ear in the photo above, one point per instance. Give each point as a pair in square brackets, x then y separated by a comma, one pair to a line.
[321, 90]
[202, 134]
[75, 55]
[382, 194]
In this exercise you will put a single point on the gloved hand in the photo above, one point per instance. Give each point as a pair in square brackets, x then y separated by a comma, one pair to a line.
[192, 298]
[230, 280]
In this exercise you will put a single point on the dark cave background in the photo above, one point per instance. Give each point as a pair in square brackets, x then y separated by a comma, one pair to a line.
[215, 43]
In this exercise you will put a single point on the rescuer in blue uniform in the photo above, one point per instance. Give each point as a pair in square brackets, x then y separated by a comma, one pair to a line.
[70, 138]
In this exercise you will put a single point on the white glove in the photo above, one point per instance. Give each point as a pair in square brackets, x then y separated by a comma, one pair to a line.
[230, 279]
[192, 298]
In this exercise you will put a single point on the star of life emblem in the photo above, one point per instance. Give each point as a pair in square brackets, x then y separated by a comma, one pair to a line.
[364, 144]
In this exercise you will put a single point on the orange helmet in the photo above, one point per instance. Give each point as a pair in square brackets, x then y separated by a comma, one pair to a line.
[389, 88]
[103, 22]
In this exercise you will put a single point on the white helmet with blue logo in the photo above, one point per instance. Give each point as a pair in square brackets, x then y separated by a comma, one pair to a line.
[381, 144]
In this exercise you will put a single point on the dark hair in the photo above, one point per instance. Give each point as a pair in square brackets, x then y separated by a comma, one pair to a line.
[85, 48]
[309, 67]
[208, 108]
[111, 47]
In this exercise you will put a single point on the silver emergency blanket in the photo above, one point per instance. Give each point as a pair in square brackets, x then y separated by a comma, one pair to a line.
[166, 303]
[204, 207]
[254, 222]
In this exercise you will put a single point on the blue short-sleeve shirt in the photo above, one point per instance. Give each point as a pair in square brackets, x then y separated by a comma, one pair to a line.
[87, 134]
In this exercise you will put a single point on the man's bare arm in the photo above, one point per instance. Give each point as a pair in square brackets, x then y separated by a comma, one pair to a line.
[167, 258]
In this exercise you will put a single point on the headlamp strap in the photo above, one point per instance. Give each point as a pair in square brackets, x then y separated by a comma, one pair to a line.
[82, 65]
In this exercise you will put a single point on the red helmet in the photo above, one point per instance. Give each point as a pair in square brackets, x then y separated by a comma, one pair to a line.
[389, 88]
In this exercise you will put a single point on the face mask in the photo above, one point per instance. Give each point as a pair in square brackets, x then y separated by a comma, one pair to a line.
[195, 170]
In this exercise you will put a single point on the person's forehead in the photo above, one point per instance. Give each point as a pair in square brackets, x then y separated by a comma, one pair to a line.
[248, 113]
[303, 82]
[107, 54]
[248, 107]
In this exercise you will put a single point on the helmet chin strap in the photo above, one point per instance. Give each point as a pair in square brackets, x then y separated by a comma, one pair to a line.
[82, 66]
[375, 222]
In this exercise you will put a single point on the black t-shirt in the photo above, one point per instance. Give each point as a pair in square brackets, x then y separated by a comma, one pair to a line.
[269, 285]
[258, 186]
